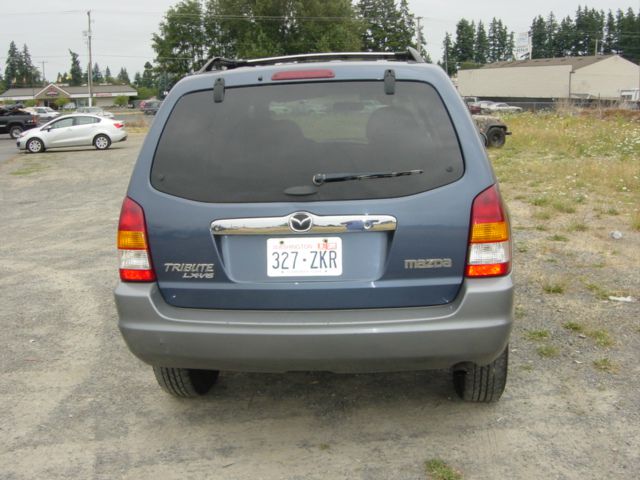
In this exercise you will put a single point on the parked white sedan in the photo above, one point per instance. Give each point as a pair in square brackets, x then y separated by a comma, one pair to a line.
[504, 107]
[73, 131]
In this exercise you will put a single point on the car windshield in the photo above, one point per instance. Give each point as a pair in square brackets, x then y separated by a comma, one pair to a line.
[262, 142]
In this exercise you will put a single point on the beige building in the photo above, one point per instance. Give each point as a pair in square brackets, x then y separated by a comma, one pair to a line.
[102, 95]
[590, 77]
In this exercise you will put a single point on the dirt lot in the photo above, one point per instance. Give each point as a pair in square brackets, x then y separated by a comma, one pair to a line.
[76, 404]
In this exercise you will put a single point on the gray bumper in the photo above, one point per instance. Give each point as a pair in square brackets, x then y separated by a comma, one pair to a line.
[473, 328]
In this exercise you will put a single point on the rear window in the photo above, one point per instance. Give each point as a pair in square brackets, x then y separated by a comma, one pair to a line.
[262, 141]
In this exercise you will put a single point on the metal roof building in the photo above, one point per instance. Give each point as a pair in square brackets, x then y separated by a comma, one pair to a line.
[103, 95]
[588, 77]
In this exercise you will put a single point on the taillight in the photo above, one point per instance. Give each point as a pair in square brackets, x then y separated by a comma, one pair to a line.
[303, 74]
[133, 247]
[489, 242]
[118, 125]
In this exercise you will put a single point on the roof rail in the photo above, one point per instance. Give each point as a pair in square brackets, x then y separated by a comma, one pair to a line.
[221, 63]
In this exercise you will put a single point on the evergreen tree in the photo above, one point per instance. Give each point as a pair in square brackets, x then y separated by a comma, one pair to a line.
[96, 74]
[449, 56]
[27, 74]
[610, 41]
[465, 37]
[552, 30]
[123, 77]
[628, 26]
[147, 79]
[481, 45]
[137, 80]
[76, 71]
[539, 38]
[12, 65]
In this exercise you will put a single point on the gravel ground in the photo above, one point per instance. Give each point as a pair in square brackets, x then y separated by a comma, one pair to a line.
[76, 404]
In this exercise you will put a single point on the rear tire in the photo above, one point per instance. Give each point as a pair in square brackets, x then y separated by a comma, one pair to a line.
[35, 145]
[486, 383]
[101, 142]
[496, 137]
[185, 382]
[15, 131]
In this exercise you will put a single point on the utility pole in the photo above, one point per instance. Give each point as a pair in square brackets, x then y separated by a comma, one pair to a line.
[89, 71]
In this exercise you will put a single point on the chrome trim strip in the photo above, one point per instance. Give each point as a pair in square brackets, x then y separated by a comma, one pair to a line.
[320, 225]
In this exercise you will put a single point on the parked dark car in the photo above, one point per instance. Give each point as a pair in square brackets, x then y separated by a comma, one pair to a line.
[15, 121]
[151, 108]
[365, 234]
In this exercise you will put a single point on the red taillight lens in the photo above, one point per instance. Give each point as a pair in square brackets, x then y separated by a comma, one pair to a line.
[133, 248]
[489, 240]
[118, 125]
[303, 74]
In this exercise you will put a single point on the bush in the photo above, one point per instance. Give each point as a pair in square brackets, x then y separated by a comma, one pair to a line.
[121, 101]
[61, 102]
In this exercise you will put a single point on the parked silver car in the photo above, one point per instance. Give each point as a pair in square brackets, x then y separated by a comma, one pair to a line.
[73, 131]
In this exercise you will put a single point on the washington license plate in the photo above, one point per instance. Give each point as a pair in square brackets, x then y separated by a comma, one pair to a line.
[304, 257]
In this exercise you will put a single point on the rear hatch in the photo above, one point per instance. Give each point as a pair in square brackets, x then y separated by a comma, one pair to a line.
[311, 195]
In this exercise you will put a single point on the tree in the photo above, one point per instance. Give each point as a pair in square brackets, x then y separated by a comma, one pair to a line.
[108, 78]
[123, 77]
[147, 79]
[481, 50]
[27, 74]
[76, 71]
[121, 101]
[501, 43]
[449, 57]
[610, 41]
[137, 79]
[180, 45]
[539, 38]
[464, 44]
[96, 74]
[12, 65]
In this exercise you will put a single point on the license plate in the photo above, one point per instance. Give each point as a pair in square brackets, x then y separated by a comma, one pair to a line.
[304, 257]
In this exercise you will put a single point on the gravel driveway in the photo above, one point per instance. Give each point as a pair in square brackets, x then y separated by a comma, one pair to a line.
[76, 404]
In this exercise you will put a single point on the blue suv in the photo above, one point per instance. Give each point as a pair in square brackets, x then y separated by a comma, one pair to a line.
[332, 212]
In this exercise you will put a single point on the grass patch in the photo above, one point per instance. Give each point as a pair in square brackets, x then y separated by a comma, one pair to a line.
[601, 337]
[599, 292]
[578, 227]
[548, 351]
[574, 326]
[612, 211]
[605, 365]
[324, 446]
[537, 335]
[540, 201]
[527, 368]
[558, 238]
[542, 215]
[438, 470]
[635, 221]
[563, 206]
[541, 228]
[29, 169]
[554, 287]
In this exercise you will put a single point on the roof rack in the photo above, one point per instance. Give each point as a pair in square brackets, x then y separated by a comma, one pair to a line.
[221, 63]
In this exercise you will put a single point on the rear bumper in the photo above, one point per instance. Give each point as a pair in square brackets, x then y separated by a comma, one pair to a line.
[473, 328]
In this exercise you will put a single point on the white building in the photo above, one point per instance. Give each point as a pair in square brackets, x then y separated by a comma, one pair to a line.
[590, 77]
[103, 95]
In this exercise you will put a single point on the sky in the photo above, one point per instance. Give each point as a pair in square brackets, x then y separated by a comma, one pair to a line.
[122, 29]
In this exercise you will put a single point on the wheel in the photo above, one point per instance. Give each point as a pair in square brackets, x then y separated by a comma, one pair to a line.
[185, 382]
[15, 131]
[35, 145]
[496, 137]
[486, 383]
[101, 142]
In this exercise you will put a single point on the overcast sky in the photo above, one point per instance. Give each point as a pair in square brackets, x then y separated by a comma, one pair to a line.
[122, 29]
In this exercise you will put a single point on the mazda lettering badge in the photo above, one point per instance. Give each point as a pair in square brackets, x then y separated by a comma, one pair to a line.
[300, 222]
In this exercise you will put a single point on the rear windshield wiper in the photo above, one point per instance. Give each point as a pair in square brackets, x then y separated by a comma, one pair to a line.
[322, 178]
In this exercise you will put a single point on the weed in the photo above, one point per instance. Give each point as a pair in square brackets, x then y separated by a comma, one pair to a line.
[438, 470]
[537, 335]
[540, 201]
[543, 215]
[522, 247]
[605, 365]
[541, 228]
[563, 206]
[558, 238]
[612, 211]
[635, 221]
[601, 337]
[324, 446]
[573, 326]
[519, 312]
[547, 351]
[527, 368]
[557, 287]
[598, 291]
[578, 227]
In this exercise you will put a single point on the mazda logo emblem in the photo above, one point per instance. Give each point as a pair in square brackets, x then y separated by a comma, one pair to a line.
[300, 222]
